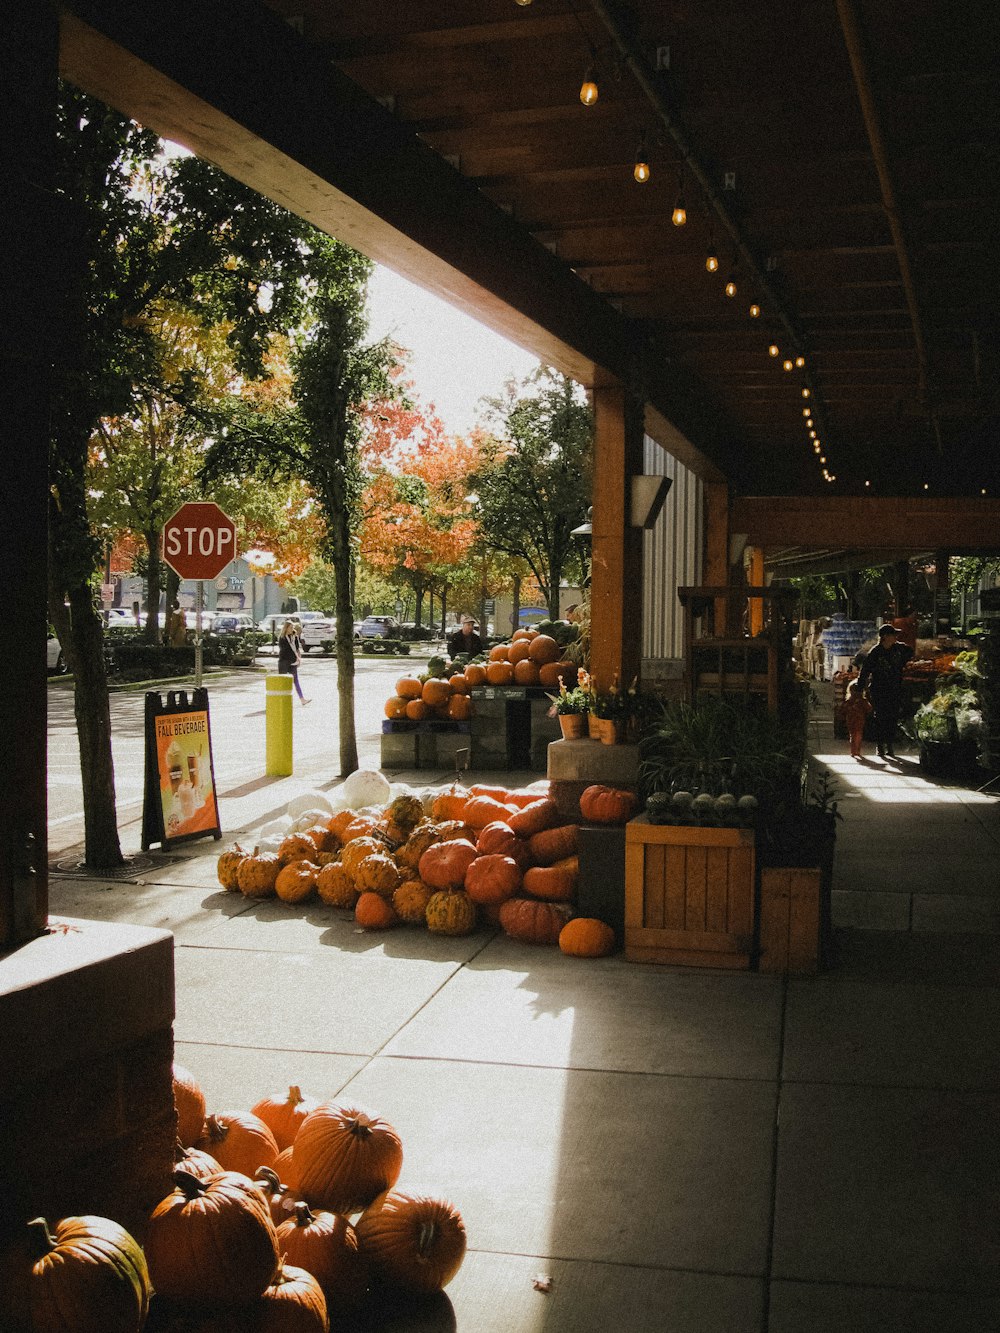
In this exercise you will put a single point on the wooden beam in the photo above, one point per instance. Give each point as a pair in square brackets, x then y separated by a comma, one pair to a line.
[870, 523]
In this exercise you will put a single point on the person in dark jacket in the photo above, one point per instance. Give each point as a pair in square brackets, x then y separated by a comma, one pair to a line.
[465, 639]
[881, 679]
[290, 654]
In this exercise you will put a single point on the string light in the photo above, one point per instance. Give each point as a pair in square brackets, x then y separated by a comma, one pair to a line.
[755, 311]
[806, 411]
[822, 458]
[712, 262]
[588, 89]
[641, 168]
[800, 362]
[812, 435]
[731, 285]
[774, 350]
[867, 484]
[786, 364]
[523, 3]
[679, 216]
[807, 393]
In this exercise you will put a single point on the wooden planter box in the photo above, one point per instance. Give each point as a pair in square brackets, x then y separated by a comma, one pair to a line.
[791, 919]
[689, 895]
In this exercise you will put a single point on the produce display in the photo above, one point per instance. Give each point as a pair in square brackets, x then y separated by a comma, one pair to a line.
[538, 656]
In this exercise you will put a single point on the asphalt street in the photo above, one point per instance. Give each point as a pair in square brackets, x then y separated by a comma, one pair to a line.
[236, 703]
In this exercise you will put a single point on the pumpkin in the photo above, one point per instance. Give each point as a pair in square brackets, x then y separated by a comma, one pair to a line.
[492, 879]
[451, 829]
[257, 873]
[324, 840]
[484, 789]
[238, 1141]
[553, 844]
[533, 818]
[211, 1241]
[459, 708]
[495, 837]
[336, 887]
[355, 851]
[520, 634]
[459, 685]
[285, 1169]
[518, 651]
[377, 873]
[443, 865]
[284, 1113]
[295, 847]
[533, 922]
[413, 1242]
[228, 868]
[326, 1245]
[422, 837]
[189, 1103]
[296, 881]
[410, 901]
[361, 826]
[395, 707]
[405, 812]
[543, 648]
[195, 1160]
[280, 1196]
[520, 799]
[293, 1303]
[451, 913]
[435, 692]
[450, 804]
[483, 810]
[551, 673]
[373, 912]
[553, 883]
[340, 822]
[500, 652]
[87, 1273]
[499, 673]
[475, 675]
[345, 1158]
[526, 673]
[607, 805]
[408, 687]
[417, 710]
[586, 937]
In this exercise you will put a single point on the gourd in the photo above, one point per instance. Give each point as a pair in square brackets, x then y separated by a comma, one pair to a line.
[296, 881]
[284, 1113]
[377, 873]
[413, 1242]
[492, 879]
[323, 839]
[336, 887]
[293, 1303]
[326, 1245]
[451, 913]
[586, 937]
[533, 922]
[533, 818]
[443, 865]
[87, 1274]
[373, 912]
[257, 874]
[405, 812]
[607, 805]
[553, 883]
[296, 847]
[410, 901]
[211, 1241]
[355, 851]
[189, 1103]
[228, 868]
[238, 1141]
[422, 837]
[553, 844]
[345, 1158]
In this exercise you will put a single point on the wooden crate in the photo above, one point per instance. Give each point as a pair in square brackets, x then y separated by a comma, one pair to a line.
[689, 895]
[790, 919]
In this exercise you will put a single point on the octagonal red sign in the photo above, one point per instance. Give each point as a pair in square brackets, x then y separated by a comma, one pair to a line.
[199, 540]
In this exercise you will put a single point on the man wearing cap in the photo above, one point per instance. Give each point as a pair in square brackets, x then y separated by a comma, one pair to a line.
[465, 640]
[882, 678]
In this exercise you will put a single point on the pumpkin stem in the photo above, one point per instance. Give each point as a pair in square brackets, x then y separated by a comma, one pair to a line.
[268, 1178]
[426, 1238]
[360, 1125]
[215, 1129]
[303, 1215]
[190, 1185]
[40, 1239]
[295, 1095]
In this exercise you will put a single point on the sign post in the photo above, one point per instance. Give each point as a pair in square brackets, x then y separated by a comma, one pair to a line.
[199, 541]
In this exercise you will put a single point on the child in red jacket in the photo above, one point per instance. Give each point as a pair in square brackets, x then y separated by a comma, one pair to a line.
[856, 710]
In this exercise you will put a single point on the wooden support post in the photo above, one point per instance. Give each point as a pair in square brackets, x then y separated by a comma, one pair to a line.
[715, 563]
[755, 578]
[790, 919]
[616, 557]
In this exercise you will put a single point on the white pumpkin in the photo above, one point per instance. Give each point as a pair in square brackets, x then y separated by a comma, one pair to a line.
[312, 801]
[365, 787]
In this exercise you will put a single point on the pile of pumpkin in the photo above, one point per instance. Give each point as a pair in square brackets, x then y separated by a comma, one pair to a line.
[481, 853]
[256, 1237]
[443, 691]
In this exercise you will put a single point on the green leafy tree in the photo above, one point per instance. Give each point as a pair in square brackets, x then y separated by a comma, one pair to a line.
[533, 485]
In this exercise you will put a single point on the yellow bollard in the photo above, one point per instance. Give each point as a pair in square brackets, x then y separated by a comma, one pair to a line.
[279, 726]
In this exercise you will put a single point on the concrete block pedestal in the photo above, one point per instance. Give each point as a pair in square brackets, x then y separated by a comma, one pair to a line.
[573, 766]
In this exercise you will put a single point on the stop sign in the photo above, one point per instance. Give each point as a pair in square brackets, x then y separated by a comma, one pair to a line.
[199, 540]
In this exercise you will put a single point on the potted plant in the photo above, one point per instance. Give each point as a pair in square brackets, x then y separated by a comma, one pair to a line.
[571, 708]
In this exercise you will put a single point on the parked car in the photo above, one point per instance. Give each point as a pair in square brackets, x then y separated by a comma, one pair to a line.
[379, 627]
[55, 661]
[317, 630]
[227, 622]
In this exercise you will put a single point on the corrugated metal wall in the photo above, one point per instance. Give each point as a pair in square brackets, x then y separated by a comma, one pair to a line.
[671, 555]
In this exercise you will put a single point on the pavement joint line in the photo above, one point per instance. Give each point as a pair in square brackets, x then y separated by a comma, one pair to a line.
[578, 1069]
[775, 1135]
[598, 1261]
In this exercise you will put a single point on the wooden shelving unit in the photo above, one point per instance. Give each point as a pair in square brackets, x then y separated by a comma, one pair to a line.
[720, 655]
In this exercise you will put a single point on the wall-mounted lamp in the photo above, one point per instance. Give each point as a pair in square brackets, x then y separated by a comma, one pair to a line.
[648, 496]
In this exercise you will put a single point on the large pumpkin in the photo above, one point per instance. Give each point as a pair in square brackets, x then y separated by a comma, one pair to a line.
[533, 818]
[475, 675]
[239, 1141]
[413, 1242]
[212, 1241]
[395, 707]
[435, 692]
[499, 673]
[284, 1113]
[543, 648]
[518, 650]
[607, 805]
[526, 673]
[586, 937]
[373, 912]
[553, 844]
[492, 879]
[326, 1245]
[293, 1303]
[189, 1103]
[451, 913]
[500, 652]
[417, 710]
[532, 921]
[553, 883]
[443, 865]
[86, 1275]
[408, 687]
[459, 708]
[345, 1158]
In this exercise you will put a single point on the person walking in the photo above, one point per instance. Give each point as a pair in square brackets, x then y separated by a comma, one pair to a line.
[465, 639]
[175, 629]
[856, 712]
[290, 655]
[881, 679]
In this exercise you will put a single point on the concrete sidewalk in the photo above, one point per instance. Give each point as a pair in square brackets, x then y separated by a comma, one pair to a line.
[693, 1151]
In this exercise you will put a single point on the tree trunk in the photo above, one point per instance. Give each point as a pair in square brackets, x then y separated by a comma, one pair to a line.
[345, 666]
[152, 633]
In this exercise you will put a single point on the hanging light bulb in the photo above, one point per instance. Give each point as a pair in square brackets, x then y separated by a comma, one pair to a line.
[786, 364]
[588, 89]
[816, 447]
[812, 435]
[731, 285]
[679, 216]
[807, 411]
[822, 458]
[774, 350]
[867, 484]
[712, 262]
[641, 169]
[755, 311]
[807, 393]
[800, 362]
[523, 3]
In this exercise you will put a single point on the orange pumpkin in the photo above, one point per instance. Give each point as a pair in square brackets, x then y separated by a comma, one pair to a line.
[533, 922]
[475, 675]
[543, 648]
[294, 1300]
[373, 912]
[296, 881]
[450, 804]
[500, 652]
[413, 1243]
[459, 708]
[607, 805]
[417, 710]
[408, 687]
[326, 1245]
[436, 692]
[189, 1103]
[526, 673]
[484, 789]
[520, 634]
[553, 844]
[459, 685]
[533, 818]
[586, 937]
[295, 847]
[444, 864]
[345, 1158]
[395, 706]
[495, 837]
[553, 883]
[500, 673]
[551, 673]
[519, 651]
[492, 879]
[238, 1141]
[284, 1113]
[483, 810]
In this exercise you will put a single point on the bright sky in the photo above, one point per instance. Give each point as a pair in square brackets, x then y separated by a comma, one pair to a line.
[455, 360]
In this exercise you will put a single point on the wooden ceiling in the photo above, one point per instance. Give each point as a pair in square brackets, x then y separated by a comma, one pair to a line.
[764, 98]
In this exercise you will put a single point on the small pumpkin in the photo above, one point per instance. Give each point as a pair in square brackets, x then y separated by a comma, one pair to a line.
[373, 912]
[553, 844]
[443, 865]
[553, 883]
[483, 810]
[492, 879]
[257, 874]
[413, 1242]
[586, 937]
[296, 847]
[293, 1303]
[326, 1245]
[451, 913]
[475, 675]
[410, 901]
[535, 817]
[532, 921]
[607, 805]
[296, 881]
[189, 1103]
[408, 687]
[345, 1158]
[211, 1241]
[238, 1141]
[336, 887]
[423, 836]
[377, 873]
[228, 868]
[395, 707]
[284, 1113]
[355, 851]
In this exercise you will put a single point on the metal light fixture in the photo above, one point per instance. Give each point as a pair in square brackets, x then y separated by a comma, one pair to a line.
[588, 89]
[641, 169]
